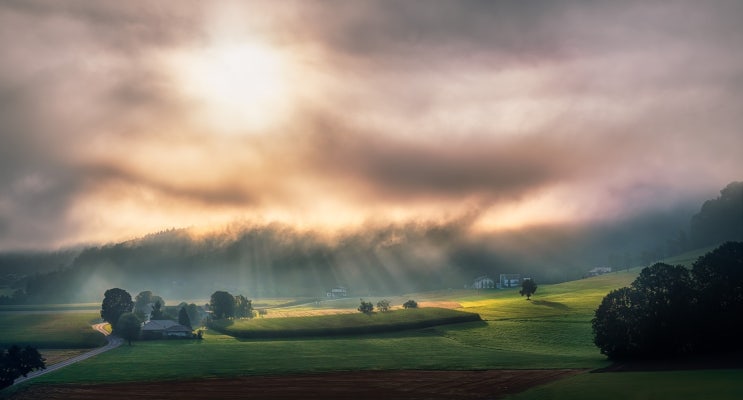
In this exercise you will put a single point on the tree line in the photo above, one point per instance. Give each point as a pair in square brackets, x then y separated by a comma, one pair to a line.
[670, 311]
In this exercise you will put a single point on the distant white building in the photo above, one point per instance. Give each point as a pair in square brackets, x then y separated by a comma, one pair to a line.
[509, 280]
[483, 282]
[599, 271]
[337, 292]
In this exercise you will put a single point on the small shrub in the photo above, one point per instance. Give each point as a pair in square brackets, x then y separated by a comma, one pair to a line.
[410, 304]
[366, 307]
[383, 305]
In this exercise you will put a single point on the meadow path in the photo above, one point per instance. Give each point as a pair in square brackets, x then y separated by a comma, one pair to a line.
[113, 342]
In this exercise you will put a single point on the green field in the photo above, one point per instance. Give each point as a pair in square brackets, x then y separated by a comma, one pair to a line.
[342, 324]
[68, 330]
[665, 385]
[551, 331]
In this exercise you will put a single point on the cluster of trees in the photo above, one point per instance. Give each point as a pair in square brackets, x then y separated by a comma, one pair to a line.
[670, 311]
[126, 315]
[16, 362]
[720, 219]
[225, 305]
[383, 305]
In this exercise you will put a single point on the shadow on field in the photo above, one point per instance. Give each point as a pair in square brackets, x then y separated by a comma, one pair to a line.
[733, 360]
[551, 304]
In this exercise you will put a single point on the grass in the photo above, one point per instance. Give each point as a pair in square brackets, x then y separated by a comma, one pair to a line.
[666, 385]
[50, 331]
[343, 324]
[51, 307]
[551, 331]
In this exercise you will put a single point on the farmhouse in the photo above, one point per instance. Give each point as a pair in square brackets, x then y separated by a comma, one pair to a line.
[509, 280]
[337, 292]
[483, 282]
[164, 328]
[599, 271]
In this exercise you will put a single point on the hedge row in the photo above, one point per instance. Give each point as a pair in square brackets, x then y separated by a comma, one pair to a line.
[225, 327]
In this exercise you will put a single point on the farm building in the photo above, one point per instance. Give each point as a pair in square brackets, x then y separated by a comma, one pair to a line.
[599, 271]
[337, 292]
[509, 280]
[483, 282]
[164, 328]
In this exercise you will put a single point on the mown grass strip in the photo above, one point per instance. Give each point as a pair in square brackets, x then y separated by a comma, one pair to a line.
[342, 324]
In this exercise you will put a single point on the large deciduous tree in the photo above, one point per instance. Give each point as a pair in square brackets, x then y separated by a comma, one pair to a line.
[115, 302]
[243, 307]
[718, 277]
[651, 318]
[222, 305]
[16, 362]
[128, 327]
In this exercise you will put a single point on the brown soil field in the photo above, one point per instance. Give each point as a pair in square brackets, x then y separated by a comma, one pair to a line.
[361, 385]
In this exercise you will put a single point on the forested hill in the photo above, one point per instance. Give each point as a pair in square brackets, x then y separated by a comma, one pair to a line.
[277, 260]
[720, 219]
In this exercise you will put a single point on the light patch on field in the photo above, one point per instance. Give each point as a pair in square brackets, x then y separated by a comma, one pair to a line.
[55, 356]
[306, 313]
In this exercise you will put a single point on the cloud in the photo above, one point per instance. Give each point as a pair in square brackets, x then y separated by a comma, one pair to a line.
[398, 110]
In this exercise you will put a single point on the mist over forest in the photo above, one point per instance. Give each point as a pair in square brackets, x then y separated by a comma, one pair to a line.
[268, 260]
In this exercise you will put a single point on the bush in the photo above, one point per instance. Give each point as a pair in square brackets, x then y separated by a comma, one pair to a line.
[383, 305]
[366, 307]
[410, 304]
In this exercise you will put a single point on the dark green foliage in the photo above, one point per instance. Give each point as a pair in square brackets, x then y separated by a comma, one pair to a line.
[157, 311]
[667, 311]
[115, 302]
[183, 318]
[128, 327]
[16, 362]
[143, 303]
[383, 305]
[243, 307]
[528, 287]
[194, 314]
[222, 305]
[719, 281]
[366, 307]
[410, 304]
[720, 219]
[635, 322]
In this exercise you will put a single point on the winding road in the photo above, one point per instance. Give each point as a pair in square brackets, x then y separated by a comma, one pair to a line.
[113, 342]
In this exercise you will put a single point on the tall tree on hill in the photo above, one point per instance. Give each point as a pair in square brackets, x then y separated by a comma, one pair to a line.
[16, 362]
[222, 305]
[528, 287]
[183, 318]
[243, 307]
[115, 302]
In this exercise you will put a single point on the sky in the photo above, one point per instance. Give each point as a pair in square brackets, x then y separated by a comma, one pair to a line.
[118, 119]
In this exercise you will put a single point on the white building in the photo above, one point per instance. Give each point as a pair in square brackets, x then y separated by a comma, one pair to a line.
[483, 282]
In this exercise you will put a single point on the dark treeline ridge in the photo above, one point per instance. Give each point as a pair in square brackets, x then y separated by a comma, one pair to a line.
[274, 260]
[671, 311]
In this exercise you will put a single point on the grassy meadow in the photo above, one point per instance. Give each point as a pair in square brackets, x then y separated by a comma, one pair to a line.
[551, 331]
[661, 385]
[67, 330]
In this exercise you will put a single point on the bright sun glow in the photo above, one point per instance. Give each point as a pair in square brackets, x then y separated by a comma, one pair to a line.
[237, 87]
